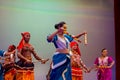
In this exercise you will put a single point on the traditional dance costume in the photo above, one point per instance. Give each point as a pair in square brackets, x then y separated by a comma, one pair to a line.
[61, 67]
[1, 69]
[104, 73]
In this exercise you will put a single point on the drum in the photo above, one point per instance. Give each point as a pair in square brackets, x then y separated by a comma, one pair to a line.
[10, 74]
[25, 74]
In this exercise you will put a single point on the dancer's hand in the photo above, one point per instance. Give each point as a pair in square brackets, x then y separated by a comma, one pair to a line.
[48, 77]
[27, 61]
[88, 70]
[43, 61]
[84, 33]
[60, 30]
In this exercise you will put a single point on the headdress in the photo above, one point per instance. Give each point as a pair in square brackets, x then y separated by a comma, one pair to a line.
[75, 43]
[21, 43]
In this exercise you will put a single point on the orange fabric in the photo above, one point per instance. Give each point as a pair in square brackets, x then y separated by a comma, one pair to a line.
[75, 43]
[77, 78]
[22, 43]
[10, 75]
[77, 71]
[25, 75]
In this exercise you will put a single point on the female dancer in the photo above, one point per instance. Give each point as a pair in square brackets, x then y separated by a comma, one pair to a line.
[9, 63]
[104, 64]
[77, 64]
[60, 67]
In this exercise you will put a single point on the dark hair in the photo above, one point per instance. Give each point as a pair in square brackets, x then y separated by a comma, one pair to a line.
[60, 24]
[56, 26]
[103, 49]
[12, 47]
